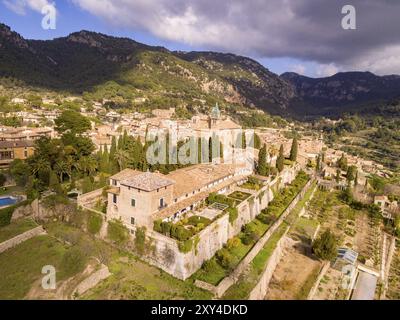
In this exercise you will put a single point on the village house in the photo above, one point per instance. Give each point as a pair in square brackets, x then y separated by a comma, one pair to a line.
[11, 150]
[141, 198]
[25, 133]
[388, 208]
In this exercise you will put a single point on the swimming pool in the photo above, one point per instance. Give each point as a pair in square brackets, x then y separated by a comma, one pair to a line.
[6, 201]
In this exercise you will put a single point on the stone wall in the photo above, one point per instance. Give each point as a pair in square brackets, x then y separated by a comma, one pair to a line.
[87, 200]
[260, 290]
[11, 243]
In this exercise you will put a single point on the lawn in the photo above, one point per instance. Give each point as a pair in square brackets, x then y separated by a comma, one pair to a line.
[306, 226]
[16, 228]
[239, 195]
[22, 265]
[131, 278]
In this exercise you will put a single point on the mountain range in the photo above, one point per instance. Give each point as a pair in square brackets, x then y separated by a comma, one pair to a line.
[105, 66]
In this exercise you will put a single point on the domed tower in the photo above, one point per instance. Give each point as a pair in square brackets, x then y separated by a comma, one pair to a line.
[215, 116]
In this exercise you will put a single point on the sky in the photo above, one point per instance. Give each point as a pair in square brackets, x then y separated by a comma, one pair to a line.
[303, 36]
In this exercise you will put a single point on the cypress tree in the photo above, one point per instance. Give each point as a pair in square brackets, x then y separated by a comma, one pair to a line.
[337, 175]
[262, 161]
[294, 149]
[120, 143]
[104, 162]
[318, 166]
[280, 162]
[257, 141]
[113, 147]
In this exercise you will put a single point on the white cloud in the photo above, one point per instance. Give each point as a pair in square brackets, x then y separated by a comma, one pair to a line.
[300, 29]
[382, 62]
[326, 70]
[299, 68]
[20, 6]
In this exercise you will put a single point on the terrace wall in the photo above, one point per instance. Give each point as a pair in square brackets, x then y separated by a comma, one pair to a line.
[260, 290]
[11, 243]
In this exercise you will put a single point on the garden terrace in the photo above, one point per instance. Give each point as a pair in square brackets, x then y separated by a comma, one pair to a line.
[183, 230]
[242, 288]
[393, 291]
[16, 228]
[252, 183]
[227, 259]
[239, 195]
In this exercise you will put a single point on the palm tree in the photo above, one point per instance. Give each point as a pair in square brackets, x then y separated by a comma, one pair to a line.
[87, 165]
[40, 165]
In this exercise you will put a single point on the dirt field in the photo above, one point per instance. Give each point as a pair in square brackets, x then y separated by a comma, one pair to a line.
[329, 287]
[294, 275]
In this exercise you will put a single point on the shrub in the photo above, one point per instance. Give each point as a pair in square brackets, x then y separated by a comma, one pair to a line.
[196, 220]
[233, 214]
[250, 234]
[5, 216]
[117, 232]
[166, 228]
[3, 179]
[233, 243]
[266, 218]
[73, 260]
[180, 233]
[140, 239]
[94, 223]
[185, 246]
[225, 259]
[157, 226]
[210, 265]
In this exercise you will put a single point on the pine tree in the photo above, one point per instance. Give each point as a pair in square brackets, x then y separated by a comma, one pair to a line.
[262, 161]
[294, 149]
[356, 180]
[281, 160]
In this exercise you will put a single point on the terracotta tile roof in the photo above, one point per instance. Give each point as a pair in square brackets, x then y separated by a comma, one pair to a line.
[16, 144]
[176, 207]
[125, 174]
[147, 181]
[196, 177]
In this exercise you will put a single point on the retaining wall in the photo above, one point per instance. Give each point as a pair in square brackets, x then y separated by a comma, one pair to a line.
[11, 243]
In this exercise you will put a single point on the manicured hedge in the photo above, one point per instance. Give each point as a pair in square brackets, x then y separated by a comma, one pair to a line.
[5, 216]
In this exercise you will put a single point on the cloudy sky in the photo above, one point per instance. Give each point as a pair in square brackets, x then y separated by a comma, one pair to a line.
[305, 36]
